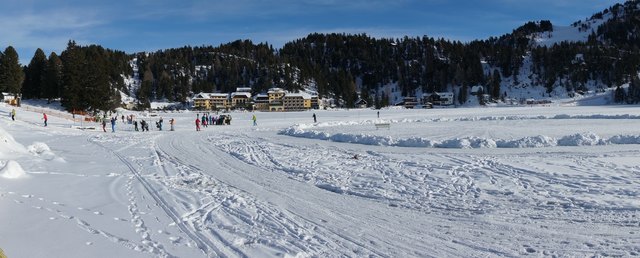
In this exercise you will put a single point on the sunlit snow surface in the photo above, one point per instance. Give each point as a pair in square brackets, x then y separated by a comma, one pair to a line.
[462, 182]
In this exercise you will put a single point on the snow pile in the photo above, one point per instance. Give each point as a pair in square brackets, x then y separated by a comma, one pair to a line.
[624, 139]
[479, 118]
[8, 146]
[528, 142]
[578, 139]
[467, 143]
[584, 139]
[42, 150]
[12, 170]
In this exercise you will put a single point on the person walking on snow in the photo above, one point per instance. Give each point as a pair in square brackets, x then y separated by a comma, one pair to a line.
[13, 114]
[197, 124]
[104, 125]
[171, 122]
[44, 117]
[314, 118]
[255, 120]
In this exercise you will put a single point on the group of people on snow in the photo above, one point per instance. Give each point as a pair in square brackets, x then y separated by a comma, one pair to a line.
[207, 119]
[201, 121]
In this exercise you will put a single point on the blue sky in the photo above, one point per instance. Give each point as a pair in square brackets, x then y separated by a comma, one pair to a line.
[150, 25]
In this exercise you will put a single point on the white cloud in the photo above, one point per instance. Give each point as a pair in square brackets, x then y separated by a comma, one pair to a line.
[48, 29]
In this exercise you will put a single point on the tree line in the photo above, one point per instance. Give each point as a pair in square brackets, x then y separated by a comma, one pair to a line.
[341, 66]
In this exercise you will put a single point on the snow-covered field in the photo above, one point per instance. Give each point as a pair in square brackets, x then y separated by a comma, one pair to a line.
[466, 182]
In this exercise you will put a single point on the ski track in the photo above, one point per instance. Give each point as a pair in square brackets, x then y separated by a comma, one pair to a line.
[475, 204]
[265, 223]
[274, 222]
[466, 185]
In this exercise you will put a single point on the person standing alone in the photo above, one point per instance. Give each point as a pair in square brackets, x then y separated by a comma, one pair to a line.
[255, 120]
[113, 124]
[13, 114]
[44, 117]
[314, 118]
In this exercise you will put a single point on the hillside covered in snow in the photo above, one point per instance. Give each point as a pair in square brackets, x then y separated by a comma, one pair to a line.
[539, 61]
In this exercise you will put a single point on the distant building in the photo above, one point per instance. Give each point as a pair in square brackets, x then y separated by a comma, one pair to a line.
[241, 99]
[261, 102]
[315, 103]
[276, 99]
[438, 98]
[7, 97]
[361, 103]
[410, 102]
[211, 101]
[477, 90]
[297, 101]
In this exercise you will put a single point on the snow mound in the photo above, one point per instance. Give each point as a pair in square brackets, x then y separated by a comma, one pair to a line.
[540, 141]
[12, 170]
[42, 150]
[584, 139]
[8, 145]
[528, 142]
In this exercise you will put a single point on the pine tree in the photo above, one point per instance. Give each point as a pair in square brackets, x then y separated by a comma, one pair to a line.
[52, 87]
[34, 76]
[96, 85]
[72, 94]
[146, 88]
[619, 95]
[11, 73]
[463, 94]
[496, 80]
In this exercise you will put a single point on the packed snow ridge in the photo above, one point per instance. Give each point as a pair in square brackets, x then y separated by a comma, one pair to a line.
[538, 141]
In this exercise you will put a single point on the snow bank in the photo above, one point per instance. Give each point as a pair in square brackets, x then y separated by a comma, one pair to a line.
[42, 150]
[311, 131]
[8, 146]
[12, 170]
[578, 139]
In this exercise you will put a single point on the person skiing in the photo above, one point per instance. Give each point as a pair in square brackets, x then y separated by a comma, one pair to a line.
[171, 122]
[314, 118]
[44, 117]
[197, 124]
[13, 114]
[254, 120]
